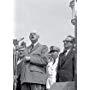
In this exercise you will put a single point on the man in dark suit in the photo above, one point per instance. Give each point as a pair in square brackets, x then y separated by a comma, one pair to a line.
[67, 63]
[33, 73]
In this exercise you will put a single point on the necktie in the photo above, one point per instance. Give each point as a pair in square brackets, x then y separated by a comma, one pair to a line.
[32, 46]
[64, 51]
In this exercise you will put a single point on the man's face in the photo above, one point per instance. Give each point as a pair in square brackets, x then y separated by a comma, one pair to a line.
[33, 37]
[67, 44]
[54, 54]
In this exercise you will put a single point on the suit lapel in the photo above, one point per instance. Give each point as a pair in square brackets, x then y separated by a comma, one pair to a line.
[65, 58]
[69, 53]
[35, 47]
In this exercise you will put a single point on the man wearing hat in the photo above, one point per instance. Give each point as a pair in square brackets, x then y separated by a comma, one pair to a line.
[33, 74]
[51, 67]
[66, 64]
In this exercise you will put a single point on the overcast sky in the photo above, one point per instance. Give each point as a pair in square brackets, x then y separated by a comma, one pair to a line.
[50, 18]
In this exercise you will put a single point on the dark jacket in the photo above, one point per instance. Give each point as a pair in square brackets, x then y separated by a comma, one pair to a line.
[66, 67]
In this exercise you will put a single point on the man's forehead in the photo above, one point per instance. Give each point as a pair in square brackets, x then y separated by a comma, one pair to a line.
[68, 39]
[33, 34]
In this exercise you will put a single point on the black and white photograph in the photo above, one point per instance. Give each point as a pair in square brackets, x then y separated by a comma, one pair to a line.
[45, 45]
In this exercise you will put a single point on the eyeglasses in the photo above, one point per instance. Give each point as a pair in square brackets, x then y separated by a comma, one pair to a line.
[67, 41]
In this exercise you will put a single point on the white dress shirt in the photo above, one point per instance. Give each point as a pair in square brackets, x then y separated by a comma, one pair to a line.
[67, 52]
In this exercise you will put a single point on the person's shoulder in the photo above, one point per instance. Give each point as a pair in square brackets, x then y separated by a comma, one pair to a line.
[44, 46]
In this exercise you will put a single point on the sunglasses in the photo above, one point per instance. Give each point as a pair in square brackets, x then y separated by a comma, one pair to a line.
[66, 41]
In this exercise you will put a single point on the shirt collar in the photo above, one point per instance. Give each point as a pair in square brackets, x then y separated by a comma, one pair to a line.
[36, 43]
[68, 51]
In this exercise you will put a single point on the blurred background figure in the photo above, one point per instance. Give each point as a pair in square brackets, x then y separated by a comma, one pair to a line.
[16, 57]
[23, 44]
[16, 42]
[21, 55]
[51, 67]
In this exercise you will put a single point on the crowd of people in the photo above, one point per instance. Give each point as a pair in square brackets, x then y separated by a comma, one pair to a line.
[37, 67]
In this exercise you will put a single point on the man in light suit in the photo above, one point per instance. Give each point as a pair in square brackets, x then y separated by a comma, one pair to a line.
[67, 63]
[33, 73]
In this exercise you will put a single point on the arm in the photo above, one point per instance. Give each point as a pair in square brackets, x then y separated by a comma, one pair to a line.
[44, 54]
[74, 66]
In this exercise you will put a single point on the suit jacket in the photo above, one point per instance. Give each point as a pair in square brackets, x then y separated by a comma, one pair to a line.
[34, 71]
[66, 67]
